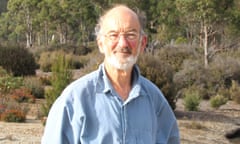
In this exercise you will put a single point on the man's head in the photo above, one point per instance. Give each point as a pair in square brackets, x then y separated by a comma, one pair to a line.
[120, 37]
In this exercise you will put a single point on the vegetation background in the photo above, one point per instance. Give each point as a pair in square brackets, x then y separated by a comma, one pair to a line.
[193, 51]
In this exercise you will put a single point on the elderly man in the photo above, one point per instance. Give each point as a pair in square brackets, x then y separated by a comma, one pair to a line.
[114, 104]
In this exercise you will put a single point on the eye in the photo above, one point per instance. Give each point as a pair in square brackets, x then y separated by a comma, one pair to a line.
[131, 36]
[113, 36]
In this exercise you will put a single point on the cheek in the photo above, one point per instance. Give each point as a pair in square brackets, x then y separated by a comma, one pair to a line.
[134, 45]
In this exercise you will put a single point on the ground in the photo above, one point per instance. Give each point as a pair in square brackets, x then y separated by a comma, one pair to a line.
[207, 126]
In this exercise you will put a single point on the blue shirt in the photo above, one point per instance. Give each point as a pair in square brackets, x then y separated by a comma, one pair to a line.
[89, 111]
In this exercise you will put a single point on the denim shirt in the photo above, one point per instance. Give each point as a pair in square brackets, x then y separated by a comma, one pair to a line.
[89, 111]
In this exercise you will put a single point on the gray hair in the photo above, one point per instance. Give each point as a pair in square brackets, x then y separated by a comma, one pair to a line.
[140, 14]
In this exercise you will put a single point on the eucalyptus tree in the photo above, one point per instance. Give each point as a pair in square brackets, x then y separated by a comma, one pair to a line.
[22, 13]
[205, 19]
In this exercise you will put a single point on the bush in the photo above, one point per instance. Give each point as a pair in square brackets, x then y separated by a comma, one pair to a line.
[161, 74]
[35, 86]
[8, 83]
[217, 101]
[191, 100]
[13, 115]
[47, 59]
[22, 95]
[17, 60]
[235, 92]
[61, 77]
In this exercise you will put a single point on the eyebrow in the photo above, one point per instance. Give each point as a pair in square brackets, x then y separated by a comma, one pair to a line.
[130, 30]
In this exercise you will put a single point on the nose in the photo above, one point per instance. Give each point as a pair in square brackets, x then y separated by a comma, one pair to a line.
[122, 41]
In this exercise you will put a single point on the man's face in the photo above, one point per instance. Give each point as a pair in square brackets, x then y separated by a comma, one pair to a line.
[121, 40]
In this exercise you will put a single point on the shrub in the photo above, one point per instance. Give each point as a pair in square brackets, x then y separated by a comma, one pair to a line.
[45, 61]
[161, 74]
[235, 92]
[13, 115]
[191, 100]
[22, 95]
[17, 60]
[61, 77]
[3, 72]
[8, 83]
[35, 86]
[217, 101]
[48, 58]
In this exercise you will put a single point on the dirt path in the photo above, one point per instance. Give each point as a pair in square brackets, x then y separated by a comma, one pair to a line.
[21, 133]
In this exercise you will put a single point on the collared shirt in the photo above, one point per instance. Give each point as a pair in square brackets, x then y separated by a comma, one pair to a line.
[89, 111]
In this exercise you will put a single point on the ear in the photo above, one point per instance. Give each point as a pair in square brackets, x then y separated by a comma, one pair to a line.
[100, 44]
[143, 43]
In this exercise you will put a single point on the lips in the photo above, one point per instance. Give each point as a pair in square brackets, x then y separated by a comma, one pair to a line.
[124, 50]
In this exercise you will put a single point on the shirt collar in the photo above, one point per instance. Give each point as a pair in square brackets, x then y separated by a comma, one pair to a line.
[105, 85]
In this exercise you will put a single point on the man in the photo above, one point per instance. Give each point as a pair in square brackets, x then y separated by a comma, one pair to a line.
[114, 104]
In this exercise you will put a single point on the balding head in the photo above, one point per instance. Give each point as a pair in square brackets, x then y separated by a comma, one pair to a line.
[118, 12]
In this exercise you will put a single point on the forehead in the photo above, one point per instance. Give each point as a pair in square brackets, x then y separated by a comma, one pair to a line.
[120, 19]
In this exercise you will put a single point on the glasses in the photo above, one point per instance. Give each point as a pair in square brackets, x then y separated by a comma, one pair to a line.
[115, 36]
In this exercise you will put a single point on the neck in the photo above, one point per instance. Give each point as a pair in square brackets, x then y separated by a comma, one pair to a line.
[120, 79]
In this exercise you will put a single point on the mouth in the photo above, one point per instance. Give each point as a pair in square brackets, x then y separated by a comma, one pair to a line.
[124, 51]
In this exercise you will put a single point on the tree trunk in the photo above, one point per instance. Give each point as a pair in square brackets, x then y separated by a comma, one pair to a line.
[205, 44]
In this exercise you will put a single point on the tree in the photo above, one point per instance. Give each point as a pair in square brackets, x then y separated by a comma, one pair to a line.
[23, 13]
[60, 78]
[208, 17]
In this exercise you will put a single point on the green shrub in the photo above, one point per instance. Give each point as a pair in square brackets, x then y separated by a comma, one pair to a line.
[35, 86]
[60, 78]
[13, 115]
[217, 101]
[8, 83]
[191, 100]
[47, 59]
[235, 92]
[161, 74]
[17, 60]
[3, 72]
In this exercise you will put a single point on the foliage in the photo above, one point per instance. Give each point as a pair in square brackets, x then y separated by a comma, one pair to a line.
[22, 95]
[8, 83]
[161, 74]
[13, 115]
[235, 92]
[47, 59]
[60, 78]
[17, 60]
[217, 101]
[35, 86]
[175, 55]
[191, 100]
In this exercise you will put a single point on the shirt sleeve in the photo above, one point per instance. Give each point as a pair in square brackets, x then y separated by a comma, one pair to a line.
[167, 132]
[58, 128]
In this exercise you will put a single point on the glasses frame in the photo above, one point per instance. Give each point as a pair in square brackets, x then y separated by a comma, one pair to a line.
[114, 36]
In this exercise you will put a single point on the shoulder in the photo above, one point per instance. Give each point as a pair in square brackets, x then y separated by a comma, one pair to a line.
[153, 93]
[80, 87]
[149, 86]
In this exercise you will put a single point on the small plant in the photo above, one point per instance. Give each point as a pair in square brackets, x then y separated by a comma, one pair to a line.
[192, 100]
[235, 92]
[195, 125]
[8, 83]
[22, 95]
[13, 115]
[61, 77]
[217, 101]
[35, 86]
